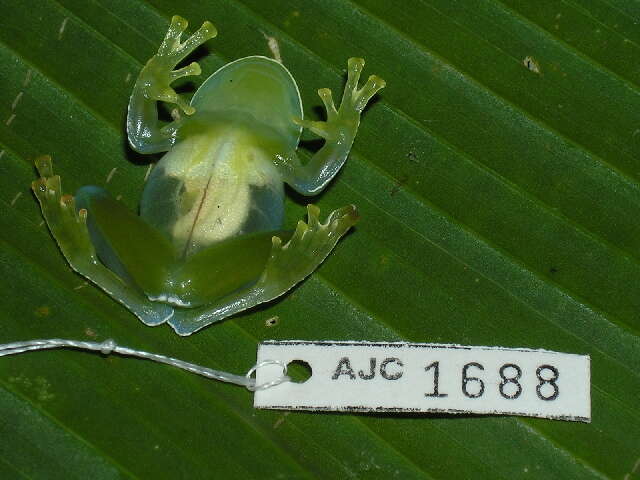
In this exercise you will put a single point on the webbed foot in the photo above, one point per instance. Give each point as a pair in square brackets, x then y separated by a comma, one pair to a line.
[310, 244]
[342, 123]
[159, 73]
[68, 226]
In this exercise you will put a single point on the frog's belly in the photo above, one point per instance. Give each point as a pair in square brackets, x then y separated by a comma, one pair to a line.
[205, 191]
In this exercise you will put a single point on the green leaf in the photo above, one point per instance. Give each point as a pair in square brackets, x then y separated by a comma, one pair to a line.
[498, 180]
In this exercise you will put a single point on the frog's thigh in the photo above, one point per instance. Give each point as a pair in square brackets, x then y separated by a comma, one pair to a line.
[288, 264]
[222, 268]
[124, 242]
[69, 229]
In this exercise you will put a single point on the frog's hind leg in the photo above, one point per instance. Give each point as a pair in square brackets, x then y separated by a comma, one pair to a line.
[69, 228]
[288, 264]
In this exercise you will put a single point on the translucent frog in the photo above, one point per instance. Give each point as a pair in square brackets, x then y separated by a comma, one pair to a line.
[209, 241]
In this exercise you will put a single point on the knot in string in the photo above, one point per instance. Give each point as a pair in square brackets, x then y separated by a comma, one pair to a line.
[108, 346]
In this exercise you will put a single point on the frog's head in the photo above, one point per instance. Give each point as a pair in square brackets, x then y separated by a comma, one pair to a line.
[258, 86]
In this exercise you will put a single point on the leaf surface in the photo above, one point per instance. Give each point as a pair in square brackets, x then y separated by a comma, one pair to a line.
[497, 177]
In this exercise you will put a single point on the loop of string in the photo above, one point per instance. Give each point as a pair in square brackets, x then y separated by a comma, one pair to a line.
[282, 378]
[109, 346]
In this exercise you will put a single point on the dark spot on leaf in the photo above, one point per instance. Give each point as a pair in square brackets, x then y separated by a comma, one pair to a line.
[400, 182]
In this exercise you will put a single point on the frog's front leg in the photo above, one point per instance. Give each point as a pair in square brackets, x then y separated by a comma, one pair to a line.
[288, 264]
[339, 131]
[69, 228]
[146, 135]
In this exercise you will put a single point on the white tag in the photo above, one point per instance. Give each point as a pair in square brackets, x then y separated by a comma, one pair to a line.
[422, 377]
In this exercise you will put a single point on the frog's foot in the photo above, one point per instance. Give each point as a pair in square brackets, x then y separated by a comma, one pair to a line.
[310, 244]
[342, 123]
[69, 228]
[157, 75]
[287, 265]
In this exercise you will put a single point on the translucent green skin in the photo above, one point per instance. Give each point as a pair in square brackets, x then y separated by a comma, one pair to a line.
[219, 180]
[209, 241]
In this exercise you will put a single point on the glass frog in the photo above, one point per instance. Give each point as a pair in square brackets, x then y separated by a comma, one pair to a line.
[209, 241]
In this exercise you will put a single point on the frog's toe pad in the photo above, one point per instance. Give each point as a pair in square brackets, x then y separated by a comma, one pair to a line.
[354, 97]
[47, 188]
[172, 44]
[318, 236]
[315, 238]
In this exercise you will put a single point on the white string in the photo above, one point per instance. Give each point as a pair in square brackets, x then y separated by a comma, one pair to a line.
[109, 346]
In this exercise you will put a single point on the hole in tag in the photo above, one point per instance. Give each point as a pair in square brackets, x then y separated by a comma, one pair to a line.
[299, 371]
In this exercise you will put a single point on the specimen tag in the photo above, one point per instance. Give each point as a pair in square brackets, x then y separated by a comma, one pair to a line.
[422, 377]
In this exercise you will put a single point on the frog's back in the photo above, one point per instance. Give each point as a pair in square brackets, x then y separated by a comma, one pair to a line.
[258, 87]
